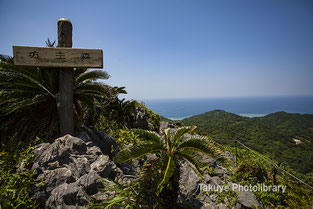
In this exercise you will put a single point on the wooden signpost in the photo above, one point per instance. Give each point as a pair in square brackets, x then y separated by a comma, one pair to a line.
[65, 58]
[57, 57]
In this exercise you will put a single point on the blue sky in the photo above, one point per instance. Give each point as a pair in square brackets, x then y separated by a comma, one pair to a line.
[181, 48]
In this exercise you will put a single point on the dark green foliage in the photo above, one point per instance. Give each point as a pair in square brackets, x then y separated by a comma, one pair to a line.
[124, 196]
[28, 98]
[165, 119]
[125, 137]
[120, 114]
[15, 176]
[272, 135]
[117, 114]
[252, 169]
[162, 172]
[290, 122]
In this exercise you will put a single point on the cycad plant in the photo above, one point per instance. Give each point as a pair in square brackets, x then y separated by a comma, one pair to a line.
[174, 146]
[120, 116]
[110, 113]
[28, 97]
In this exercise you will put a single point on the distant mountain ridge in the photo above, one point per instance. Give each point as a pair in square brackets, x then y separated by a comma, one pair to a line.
[286, 137]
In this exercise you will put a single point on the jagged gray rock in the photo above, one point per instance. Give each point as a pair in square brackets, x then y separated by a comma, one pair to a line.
[189, 188]
[246, 199]
[71, 167]
[91, 183]
[189, 180]
[68, 169]
[163, 125]
[99, 140]
[67, 196]
[140, 119]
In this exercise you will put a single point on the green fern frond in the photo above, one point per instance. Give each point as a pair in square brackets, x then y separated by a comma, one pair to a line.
[137, 151]
[91, 76]
[149, 135]
[167, 171]
[180, 132]
[202, 145]
[192, 157]
[26, 103]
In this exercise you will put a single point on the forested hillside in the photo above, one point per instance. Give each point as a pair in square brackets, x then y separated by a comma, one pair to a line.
[275, 134]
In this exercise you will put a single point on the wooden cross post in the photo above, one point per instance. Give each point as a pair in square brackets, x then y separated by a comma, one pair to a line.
[65, 58]
[65, 97]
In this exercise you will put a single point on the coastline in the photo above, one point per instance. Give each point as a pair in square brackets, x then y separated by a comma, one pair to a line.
[178, 109]
[248, 115]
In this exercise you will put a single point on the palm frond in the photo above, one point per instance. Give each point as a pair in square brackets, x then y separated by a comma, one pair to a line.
[192, 157]
[49, 43]
[137, 151]
[19, 87]
[24, 89]
[200, 144]
[87, 100]
[24, 76]
[50, 79]
[180, 132]
[167, 171]
[13, 79]
[6, 59]
[79, 71]
[96, 88]
[91, 76]
[27, 72]
[119, 90]
[25, 103]
[149, 135]
[168, 137]
[15, 95]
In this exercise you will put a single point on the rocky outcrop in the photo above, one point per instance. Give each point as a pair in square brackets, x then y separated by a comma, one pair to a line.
[106, 143]
[140, 118]
[69, 170]
[246, 199]
[190, 188]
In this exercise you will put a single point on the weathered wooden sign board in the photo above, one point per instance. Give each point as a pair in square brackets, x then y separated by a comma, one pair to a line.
[57, 57]
[65, 58]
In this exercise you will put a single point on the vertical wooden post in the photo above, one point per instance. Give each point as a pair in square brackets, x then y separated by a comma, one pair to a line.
[65, 97]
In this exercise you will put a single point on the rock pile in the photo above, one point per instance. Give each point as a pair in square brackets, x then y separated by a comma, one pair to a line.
[189, 188]
[69, 170]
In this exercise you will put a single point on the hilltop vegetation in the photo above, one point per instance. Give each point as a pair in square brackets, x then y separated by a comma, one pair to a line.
[156, 178]
[272, 135]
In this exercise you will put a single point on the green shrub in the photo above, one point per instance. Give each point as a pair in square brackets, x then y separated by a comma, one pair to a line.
[119, 195]
[120, 114]
[125, 137]
[15, 178]
[251, 169]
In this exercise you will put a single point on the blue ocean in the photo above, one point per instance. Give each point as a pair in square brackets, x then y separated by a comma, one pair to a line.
[248, 106]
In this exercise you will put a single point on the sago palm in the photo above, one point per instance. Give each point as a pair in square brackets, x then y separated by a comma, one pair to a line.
[172, 147]
[121, 113]
[28, 96]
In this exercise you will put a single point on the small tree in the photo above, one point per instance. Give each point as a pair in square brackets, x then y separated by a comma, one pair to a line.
[169, 149]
